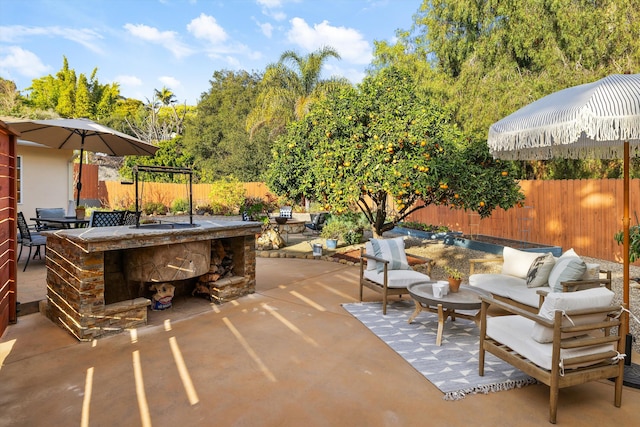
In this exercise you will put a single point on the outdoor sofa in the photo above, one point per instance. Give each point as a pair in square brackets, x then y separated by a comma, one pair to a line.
[527, 277]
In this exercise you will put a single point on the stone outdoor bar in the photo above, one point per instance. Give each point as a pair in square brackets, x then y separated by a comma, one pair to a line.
[97, 277]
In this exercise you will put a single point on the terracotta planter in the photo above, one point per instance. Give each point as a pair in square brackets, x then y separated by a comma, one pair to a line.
[80, 213]
[454, 284]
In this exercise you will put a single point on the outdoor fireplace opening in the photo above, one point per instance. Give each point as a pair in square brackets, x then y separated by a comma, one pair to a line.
[210, 269]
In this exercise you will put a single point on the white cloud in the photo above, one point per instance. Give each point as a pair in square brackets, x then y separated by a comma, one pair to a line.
[206, 27]
[354, 75]
[167, 39]
[271, 8]
[349, 43]
[84, 37]
[170, 82]
[24, 62]
[267, 29]
[128, 80]
[270, 3]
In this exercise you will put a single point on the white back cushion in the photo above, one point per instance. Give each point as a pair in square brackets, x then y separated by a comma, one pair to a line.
[516, 262]
[567, 301]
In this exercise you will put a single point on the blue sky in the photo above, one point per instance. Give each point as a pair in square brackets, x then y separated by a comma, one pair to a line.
[147, 44]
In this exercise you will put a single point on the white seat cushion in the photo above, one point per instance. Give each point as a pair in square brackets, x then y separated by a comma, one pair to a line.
[497, 284]
[396, 278]
[515, 332]
[527, 296]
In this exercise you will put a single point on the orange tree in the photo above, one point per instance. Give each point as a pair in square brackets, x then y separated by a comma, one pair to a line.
[386, 148]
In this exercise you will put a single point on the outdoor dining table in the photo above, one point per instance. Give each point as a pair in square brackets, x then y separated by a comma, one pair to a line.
[63, 222]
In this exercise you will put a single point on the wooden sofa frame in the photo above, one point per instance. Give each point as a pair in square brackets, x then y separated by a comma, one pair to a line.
[384, 289]
[566, 286]
[556, 378]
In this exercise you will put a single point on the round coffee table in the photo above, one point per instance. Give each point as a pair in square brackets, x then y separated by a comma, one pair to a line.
[467, 298]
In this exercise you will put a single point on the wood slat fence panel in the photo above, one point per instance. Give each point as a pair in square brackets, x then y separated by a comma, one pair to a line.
[113, 193]
[579, 214]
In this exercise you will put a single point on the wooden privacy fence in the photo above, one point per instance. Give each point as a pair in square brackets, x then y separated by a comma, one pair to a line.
[579, 214]
[113, 193]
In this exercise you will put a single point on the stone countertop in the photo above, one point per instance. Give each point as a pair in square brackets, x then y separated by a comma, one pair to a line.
[202, 229]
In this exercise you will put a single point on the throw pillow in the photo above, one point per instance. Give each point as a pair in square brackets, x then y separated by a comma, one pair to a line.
[568, 301]
[516, 262]
[539, 271]
[371, 264]
[391, 250]
[566, 269]
[592, 273]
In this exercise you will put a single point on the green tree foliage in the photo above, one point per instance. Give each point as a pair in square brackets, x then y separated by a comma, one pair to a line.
[227, 195]
[487, 59]
[386, 145]
[10, 102]
[287, 93]
[217, 137]
[72, 96]
[171, 153]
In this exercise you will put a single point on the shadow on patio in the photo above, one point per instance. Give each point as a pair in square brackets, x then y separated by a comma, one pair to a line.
[287, 355]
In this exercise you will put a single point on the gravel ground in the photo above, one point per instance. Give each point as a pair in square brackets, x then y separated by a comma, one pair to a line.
[459, 258]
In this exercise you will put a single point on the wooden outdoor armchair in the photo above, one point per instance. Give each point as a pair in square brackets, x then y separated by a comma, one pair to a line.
[566, 360]
[388, 282]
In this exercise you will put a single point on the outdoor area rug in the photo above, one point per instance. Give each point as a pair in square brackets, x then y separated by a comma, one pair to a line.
[453, 366]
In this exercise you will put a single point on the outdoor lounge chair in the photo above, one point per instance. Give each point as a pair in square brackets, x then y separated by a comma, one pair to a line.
[317, 222]
[563, 345]
[389, 273]
[106, 218]
[29, 239]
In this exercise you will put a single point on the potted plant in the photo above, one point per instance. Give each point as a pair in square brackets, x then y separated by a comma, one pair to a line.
[81, 211]
[454, 277]
[332, 232]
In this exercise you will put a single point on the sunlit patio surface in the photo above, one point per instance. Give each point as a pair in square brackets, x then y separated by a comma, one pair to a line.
[288, 355]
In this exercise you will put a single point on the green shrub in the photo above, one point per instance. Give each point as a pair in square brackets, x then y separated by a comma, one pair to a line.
[227, 196]
[180, 205]
[156, 208]
[424, 227]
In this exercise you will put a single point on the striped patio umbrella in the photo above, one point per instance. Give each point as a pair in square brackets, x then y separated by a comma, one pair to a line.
[595, 120]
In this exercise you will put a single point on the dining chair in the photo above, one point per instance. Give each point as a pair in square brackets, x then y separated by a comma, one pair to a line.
[29, 239]
[131, 218]
[106, 218]
[48, 213]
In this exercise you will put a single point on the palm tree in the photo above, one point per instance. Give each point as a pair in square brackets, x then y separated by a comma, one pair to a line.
[288, 93]
[165, 96]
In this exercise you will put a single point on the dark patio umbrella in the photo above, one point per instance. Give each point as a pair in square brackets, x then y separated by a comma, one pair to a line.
[82, 134]
[594, 120]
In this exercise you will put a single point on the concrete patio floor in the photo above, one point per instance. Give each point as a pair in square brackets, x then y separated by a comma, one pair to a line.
[288, 355]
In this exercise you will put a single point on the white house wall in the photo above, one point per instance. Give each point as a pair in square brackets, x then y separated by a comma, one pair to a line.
[47, 178]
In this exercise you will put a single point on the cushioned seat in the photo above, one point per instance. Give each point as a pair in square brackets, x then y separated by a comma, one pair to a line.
[515, 333]
[384, 268]
[396, 278]
[527, 276]
[575, 338]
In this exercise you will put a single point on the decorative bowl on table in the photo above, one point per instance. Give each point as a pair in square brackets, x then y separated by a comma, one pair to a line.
[281, 220]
